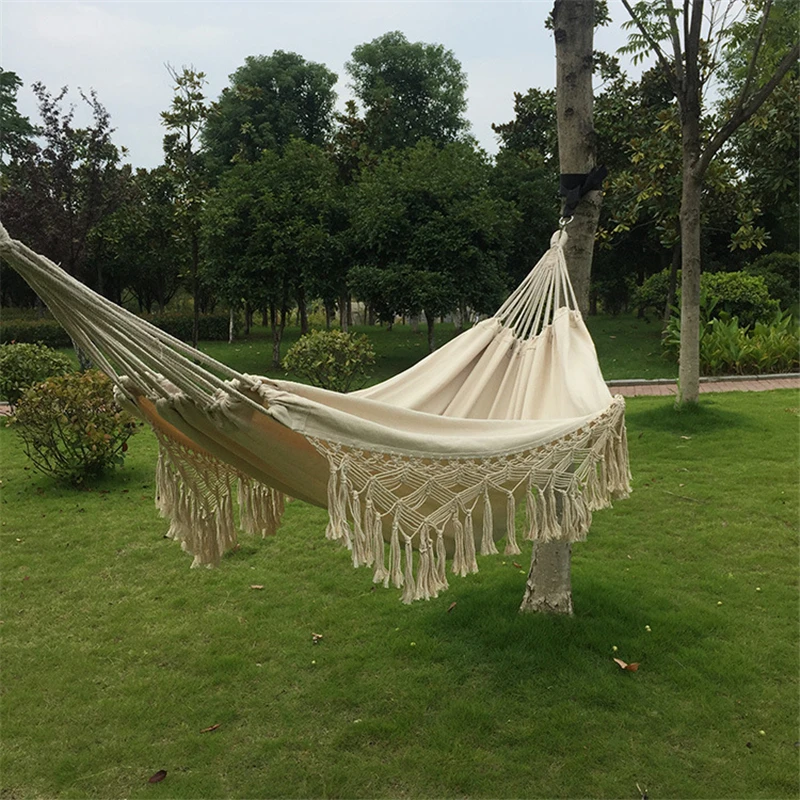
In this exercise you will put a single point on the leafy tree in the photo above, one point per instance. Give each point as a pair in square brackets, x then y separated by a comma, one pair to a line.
[138, 242]
[16, 131]
[183, 153]
[689, 63]
[425, 216]
[270, 231]
[270, 100]
[56, 190]
[410, 91]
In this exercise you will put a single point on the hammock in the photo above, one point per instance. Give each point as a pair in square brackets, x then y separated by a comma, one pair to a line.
[427, 467]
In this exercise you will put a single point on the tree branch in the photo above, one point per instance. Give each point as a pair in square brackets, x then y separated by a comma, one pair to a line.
[674, 80]
[751, 67]
[743, 111]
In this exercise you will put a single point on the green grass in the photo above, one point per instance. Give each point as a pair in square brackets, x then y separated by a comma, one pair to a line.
[116, 655]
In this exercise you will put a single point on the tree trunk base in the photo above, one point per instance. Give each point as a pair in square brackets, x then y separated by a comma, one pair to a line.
[549, 586]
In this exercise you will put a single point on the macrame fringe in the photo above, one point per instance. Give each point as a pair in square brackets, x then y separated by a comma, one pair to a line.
[195, 492]
[560, 484]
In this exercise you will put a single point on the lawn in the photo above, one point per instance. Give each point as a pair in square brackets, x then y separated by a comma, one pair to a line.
[116, 656]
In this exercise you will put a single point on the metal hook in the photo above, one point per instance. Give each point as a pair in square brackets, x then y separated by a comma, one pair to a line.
[564, 221]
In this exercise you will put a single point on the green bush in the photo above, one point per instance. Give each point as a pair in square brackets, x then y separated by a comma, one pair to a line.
[45, 331]
[737, 294]
[211, 327]
[331, 359]
[740, 295]
[652, 294]
[781, 273]
[71, 426]
[728, 348]
[23, 364]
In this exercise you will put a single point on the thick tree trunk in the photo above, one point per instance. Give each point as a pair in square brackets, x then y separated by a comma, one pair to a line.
[302, 311]
[574, 35]
[689, 369]
[549, 587]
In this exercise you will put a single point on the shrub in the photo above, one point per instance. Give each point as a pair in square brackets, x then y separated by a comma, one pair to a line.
[728, 348]
[331, 359]
[652, 294]
[738, 294]
[781, 273]
[71, 427]
[23, 364]
[45, 331]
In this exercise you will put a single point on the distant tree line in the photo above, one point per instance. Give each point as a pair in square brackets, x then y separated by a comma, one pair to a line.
[269, 201]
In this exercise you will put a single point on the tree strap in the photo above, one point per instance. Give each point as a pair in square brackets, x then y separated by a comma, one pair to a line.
[574, 185]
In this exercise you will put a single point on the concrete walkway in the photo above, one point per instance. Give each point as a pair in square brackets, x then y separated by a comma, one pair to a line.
[734, 383]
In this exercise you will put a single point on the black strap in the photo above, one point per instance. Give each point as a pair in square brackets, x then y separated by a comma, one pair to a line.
[575, 185]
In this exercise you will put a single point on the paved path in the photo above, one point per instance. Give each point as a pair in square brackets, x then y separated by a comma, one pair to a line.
[661, 386]
[749, 383]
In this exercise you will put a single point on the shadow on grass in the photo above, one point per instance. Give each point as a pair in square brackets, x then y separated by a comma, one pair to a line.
[703, 417]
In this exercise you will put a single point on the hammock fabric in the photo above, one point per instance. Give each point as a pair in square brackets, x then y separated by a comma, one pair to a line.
[426, 467]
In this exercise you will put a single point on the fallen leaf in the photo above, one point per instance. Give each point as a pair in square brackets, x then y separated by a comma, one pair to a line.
[256, 586]
[518, 566]
[209, 729]
[451, 607]
[686, 437]
[315, 638]
[629, 667]
[158, 777]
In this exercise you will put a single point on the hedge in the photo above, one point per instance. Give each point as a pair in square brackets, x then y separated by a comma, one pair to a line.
[212, 327]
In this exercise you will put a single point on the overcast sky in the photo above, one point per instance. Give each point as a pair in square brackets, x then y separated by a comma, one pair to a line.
[119, 48]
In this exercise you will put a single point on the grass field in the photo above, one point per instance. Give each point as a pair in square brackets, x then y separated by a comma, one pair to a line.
[116, 656]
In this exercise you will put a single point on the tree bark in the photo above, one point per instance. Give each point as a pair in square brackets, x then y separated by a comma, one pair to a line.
[549, 586]
[573, 22]
[430, 319]
[195, 288]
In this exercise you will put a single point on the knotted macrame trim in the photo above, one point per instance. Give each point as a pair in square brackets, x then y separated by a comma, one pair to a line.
[426, 502]
[406, 516]
[194, 491]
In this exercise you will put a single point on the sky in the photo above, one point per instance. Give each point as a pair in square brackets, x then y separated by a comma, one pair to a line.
[120, 48]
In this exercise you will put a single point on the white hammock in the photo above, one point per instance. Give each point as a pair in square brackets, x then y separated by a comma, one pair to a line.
[435, 460]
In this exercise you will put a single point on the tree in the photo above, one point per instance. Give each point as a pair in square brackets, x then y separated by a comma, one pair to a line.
[270, 100]
[16, 131]
[425, 216]
[549, 587]
[270, 227]
[689, 59]
[183, 154]
[138, 242]
[410, 91]
[57, 190]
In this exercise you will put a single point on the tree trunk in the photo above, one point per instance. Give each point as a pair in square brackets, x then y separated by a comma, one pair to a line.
[431, 320]
[574, 34]
[195, 289]
[230, 325]
[343, 311]
[549, 586]
[689, 368]
[302, 311]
